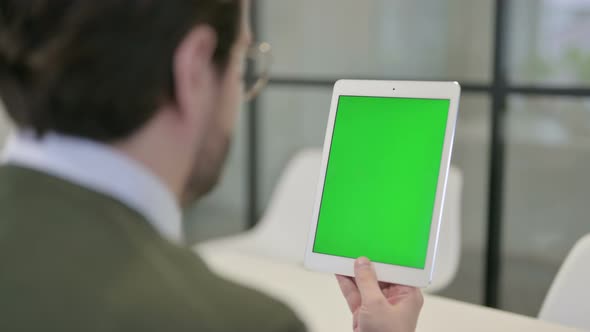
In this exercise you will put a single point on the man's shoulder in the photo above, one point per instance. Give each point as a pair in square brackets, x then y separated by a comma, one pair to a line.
[67, 250]
[196, 297]
[28, 191]
[58, 217]
[55, 234]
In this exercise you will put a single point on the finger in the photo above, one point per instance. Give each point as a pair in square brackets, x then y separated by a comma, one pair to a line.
[350, 292]
[409, 296]
[416, 297]
[410, 304]
[355, 321]
[366, 281]
[384, 285]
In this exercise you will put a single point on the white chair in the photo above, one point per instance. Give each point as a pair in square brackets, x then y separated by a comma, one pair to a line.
[282, 232]
[449, 252]
[566, 302]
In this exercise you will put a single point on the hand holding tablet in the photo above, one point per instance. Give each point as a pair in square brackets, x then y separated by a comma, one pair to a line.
[379, 306]
[384, 170]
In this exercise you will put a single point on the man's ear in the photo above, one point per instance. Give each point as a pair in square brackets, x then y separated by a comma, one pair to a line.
[193, 69]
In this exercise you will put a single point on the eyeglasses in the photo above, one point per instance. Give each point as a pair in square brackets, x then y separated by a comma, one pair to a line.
[259, 59]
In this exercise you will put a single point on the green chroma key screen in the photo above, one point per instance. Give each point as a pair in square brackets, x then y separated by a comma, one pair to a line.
[381, 179]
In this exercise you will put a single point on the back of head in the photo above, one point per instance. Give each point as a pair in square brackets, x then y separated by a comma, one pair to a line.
[99, 69]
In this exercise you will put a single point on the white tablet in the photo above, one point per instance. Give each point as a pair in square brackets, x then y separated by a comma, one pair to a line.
[383, 176]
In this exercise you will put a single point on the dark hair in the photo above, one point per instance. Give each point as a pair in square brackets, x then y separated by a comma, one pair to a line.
[99, 68]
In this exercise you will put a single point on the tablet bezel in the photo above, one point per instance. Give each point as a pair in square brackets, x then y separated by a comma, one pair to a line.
[395, 89]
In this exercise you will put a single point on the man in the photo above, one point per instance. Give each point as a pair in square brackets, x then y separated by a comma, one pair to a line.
[124, 110]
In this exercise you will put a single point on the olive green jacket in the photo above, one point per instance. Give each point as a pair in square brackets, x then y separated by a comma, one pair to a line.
[75, 260]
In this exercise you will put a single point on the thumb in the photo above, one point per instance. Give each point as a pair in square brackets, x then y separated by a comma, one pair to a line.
[366, 281]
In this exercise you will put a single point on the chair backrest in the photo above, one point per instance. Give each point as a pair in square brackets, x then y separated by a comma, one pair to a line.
[285, 224]
[284, 228]
[449, 251]
[566, 302]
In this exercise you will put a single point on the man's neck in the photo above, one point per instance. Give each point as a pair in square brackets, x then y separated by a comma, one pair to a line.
[161, 147]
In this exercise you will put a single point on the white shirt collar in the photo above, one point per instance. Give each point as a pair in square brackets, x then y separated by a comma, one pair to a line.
[100, 168]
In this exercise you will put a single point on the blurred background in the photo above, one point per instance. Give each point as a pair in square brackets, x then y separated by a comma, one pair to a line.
[541, 91]
[523, 137]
